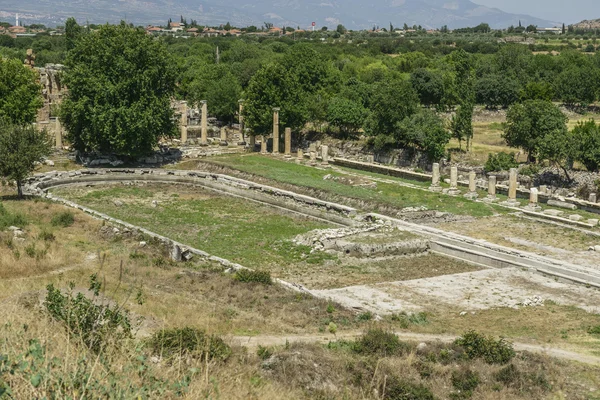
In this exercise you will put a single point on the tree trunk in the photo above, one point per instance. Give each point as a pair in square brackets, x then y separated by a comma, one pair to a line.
[19, 189]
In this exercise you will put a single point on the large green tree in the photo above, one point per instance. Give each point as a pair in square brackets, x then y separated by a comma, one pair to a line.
[20, 94]
[577, 86]
[462, 124]
[21, 147]
[347, 115]
[530, 123]
[586, 141]
[429, 85]
[390, 104]
[424, 131]
[497, 90]
[120, 82]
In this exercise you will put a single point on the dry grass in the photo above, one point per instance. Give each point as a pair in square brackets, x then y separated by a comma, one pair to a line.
[352, 271]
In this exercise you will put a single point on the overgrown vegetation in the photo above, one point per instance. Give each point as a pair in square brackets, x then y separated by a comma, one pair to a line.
[63, 219]
[491, 350]
[247, 276]
[183, 342]
[500, 162]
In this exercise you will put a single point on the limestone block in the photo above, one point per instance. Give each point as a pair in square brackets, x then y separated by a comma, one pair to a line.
[562, 204]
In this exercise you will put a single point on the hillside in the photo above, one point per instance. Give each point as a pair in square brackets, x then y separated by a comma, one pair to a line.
[588, 24]
[354, 14]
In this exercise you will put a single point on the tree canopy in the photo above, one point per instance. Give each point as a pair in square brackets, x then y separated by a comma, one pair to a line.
[121, 82]
[20, 94]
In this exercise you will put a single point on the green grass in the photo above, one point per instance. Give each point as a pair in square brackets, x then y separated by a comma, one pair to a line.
[253, 235]
[386, 194]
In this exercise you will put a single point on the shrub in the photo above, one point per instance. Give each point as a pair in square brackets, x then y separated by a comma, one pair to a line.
[500, 162]
[479, 346]
[63, 219]
[8, 219]
[594, 330]
[465, 380]
[380, 342]
[530, 170]
[188, 341]
[94, 324]
[247, 276]
[396, 389]
[264, 352]
[410, 319]
[365, 316]
[46, 236]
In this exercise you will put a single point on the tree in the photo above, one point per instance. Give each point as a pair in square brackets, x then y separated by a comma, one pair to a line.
[21, 147]
[20, 94]
[72, 32]
[586, 138]
[577, 85]
[347, 115]
[341, 29]
[528, 124]
[273, 86]
[461, 125]
[429, 85]
[531, 29]
[390, 104]
[120, 82]
[497, 90]
[424, 131]
[537, 91]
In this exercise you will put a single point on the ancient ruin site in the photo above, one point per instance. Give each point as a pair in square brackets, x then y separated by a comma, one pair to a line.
[334, 215]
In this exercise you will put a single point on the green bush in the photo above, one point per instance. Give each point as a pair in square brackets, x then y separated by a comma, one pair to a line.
[247, 276]
[396, 389]
[479, 346]
[530, 170]
[63, 219]
[500, 162]
[264, 352]
[406, 320]
[465, 380]
[95, 324]
[380, 342]
[594, 330]
[188, 341]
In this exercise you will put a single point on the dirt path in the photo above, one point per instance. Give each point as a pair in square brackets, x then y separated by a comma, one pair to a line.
[255, 341]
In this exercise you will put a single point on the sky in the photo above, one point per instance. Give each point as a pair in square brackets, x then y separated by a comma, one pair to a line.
[571, 11]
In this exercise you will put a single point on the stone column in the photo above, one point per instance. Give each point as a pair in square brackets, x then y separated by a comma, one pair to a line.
[252, 142]
[184, 123]
[58, 134]
[453, 182]
[491, 197]
[223, 137]
[241, 122]
[204, 124]
[533, 200]
[313, 154]
[288, 142]
[263, 144]
[472, 193]
[276, 130]
[435, 178]
[300, 156]
[593, 198]
[325, 155]
[512, 189]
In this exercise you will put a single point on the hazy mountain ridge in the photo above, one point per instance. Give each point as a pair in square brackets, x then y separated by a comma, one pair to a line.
[354, 14]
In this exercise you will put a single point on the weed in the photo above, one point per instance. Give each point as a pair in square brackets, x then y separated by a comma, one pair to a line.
[466, 381]
[247, 276]
[508, 375]
[396, 389]
[594, 330]
[365, 316]
[95, 324]
[63, 219]
[264, 353]
[46, 236]
[8, 219]
[479, 346]
[188, 341]
[330, 308]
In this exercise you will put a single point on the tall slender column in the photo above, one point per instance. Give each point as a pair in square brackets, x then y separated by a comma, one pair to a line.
[223, 136]
[204, 124]
[453, 181]
[512, 189]
[276, 130]
[288, 142]
[435, 178]
[263, 144]
[491, 197]
[241, 121]
[58, 134]
[325, 155]
[184, 122]
[472, 193]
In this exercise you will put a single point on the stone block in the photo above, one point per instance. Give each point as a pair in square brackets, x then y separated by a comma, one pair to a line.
[575, 217]
[554, 213]
[593, 222]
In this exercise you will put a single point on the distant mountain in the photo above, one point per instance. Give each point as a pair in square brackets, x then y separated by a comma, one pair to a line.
[354, 14]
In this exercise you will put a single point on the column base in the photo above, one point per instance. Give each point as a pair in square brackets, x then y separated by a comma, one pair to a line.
[471, 195]
[532, 207]
[511, 203]
[436, 189]
[490, 199]
[453, 192]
